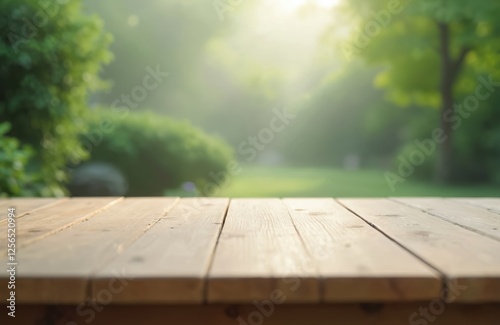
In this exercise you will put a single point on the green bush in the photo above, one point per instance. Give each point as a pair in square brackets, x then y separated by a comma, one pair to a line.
[51, 55]
[15, 180]
[155, 153]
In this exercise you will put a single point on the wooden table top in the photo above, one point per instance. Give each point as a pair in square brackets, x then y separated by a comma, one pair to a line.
[216, 250]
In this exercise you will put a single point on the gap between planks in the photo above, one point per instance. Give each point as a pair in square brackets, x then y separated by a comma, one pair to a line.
[205, 280]
[357, 262]
[471, 217]
[331, 280]
[29, 205]
[374, 226]
[169, 262]
[467, 259]
[47, 221]
[217, 237]
[259, 252]
[492, 204]
[57, 269]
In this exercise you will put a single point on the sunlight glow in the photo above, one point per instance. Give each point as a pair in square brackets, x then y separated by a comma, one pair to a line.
[294, 4]
[327, 3]
[133, 20]
[283, 34]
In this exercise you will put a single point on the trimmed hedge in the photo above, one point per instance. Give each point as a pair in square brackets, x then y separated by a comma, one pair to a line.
[155, 153]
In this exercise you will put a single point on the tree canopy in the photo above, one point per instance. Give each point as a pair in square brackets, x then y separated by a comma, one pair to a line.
[51, 55]
[435, 53]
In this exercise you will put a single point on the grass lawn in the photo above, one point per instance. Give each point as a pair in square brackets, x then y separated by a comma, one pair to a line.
[324, 182]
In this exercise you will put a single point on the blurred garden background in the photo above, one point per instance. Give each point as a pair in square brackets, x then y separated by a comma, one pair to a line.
[250, 98]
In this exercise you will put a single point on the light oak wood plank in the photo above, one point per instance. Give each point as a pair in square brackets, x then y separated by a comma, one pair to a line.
[468, 216]
[169, 263]
[259, 252]
[357, 262]
[423, 313]
[57, 269]
[25, 206]
[469, 261]
[47, 221]
[490, 204]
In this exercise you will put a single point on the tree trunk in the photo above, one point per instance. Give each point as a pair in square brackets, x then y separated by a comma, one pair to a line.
[449, 70]
[445, 149]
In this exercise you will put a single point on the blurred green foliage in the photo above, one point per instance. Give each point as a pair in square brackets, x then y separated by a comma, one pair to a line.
[51, 54]
[226, 76]
[433, 54]
[407, 44]
[155, 153]
[346, 116]
[15, 179]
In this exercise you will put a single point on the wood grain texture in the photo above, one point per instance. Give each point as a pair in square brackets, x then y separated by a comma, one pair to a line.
[57, 269]
[307, 251]
[468, 216]
[469, 261]
[259, 253]
[25, 206]
[46, 221]
[433, 312]
[169, 263]
[357, 262]
[490, 204]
